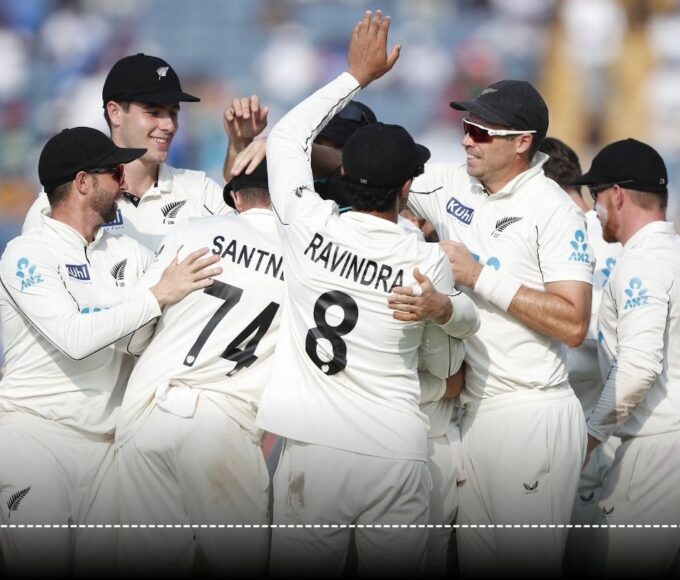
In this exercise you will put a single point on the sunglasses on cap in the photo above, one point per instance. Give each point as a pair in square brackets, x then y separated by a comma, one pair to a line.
[596, 190]
[353, 112]
[116, 172]
[481, 134]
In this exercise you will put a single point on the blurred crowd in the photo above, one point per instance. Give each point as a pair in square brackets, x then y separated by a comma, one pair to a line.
[608, 69]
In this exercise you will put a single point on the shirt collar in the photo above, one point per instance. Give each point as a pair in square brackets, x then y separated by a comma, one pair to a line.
[518, 181]
[658, 227]
[67, 233]
[165, 176]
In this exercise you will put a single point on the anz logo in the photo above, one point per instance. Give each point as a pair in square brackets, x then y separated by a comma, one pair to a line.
[637, 294]
[580, 248]
[461, 212]
[117, 222]
[493, 262]
[78, 272]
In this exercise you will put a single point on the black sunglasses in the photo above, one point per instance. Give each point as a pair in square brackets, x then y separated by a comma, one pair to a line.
[116, 172]
[596, 190]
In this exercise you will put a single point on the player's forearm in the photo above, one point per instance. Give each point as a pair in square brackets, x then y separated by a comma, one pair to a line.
[551, 314]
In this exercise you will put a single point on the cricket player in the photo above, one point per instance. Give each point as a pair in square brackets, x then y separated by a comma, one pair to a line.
[344, 390]
[70, 302]
[188, 449]
[639, 342]
[519, 246]
[141, 98]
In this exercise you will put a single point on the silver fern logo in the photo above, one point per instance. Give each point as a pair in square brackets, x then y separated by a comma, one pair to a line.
[503, 224]
[171, 210]
[162, 71]
[118, 272]
[531, 488]
[16, 498]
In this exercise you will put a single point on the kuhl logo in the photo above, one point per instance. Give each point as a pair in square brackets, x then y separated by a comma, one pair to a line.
[171, 210]
[580, 248]
[637, 295]
[531, 488]
[461, 212]
[16, 498]
[504, 223]
[116, 222]
[78, 271]
[118, 272]
[27, 274]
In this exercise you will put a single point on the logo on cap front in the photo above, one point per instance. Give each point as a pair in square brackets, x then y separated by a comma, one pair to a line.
[487, 91]
[162, 71]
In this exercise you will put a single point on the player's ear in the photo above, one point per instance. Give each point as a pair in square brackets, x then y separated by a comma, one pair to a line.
[114, 111]
[523, 143]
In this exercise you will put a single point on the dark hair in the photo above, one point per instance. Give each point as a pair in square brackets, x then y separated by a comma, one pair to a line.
[255, 195]
[125, 105]
[365, 198]
[59, 193]
[563, 166]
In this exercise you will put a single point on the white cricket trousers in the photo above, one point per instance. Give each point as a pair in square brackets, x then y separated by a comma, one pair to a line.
[318, 485]
[522, 457]
[642, 487]
[196, 472]
[53, 474]
[445, 463]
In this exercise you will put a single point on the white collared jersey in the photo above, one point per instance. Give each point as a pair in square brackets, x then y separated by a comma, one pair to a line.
[530, 231]
[221, 339]
[64, 303]
[345, 373]
[177, 195]
[582, 362]
[639, 338]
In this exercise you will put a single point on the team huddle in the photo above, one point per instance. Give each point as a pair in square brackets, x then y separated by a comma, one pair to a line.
[518, 376]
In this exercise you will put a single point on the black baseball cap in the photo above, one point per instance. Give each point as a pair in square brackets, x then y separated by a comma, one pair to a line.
[257, 178]
[513, 104]
[79, 149]
[144, 78]
[382, 156]
[630, 163]
[343, 125]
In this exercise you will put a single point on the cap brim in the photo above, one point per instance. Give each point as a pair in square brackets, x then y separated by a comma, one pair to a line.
[423, 154]
[163, 98]
[590, 178]
[480, 110]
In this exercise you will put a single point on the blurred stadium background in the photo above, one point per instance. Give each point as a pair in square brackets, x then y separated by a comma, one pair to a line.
[609, 69]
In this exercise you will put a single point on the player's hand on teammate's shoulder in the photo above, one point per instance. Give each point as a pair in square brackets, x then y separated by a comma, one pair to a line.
[250, 158]
[421, 302]
[465, 267]
[367, 55]
[179, 279]
[244, 119]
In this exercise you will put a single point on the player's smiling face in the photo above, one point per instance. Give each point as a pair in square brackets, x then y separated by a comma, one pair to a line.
[149, 126]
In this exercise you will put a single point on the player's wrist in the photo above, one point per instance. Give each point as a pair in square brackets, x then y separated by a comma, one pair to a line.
[496, 287]
[444, 311]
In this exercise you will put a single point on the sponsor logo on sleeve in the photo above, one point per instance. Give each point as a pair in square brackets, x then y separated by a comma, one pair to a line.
[601, 279]
[462, 213]
[116, 223]
[637, 294]
[503, 224]
[579, 246]
[171, 210]
[118, 272]
[27, 273]
[78, 272]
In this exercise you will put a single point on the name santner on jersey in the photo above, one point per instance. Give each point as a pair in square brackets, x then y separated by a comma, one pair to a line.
[349, 265]
[245, 256]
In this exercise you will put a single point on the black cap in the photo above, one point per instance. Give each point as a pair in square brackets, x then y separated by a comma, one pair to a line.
[144, 78]
[79, 149]
[633, 164]
[382, 156]
[257, 178]
[513, 104]
[343, 125]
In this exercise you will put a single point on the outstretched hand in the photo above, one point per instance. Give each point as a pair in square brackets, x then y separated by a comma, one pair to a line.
[367, 56]
[245, 119]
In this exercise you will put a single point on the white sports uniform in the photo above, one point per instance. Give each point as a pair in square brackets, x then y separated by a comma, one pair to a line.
[523, 429]
[177, 195]
[61, 302]
[188, 447]
[344, 390]
[586, 380]
[639, 332]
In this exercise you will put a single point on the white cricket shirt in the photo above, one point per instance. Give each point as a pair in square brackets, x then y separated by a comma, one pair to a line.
[582, 362]
[639, 338]
[63, 304]
[530, 231]
[345, 371]
[177, 195]
[218, 341]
